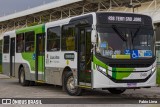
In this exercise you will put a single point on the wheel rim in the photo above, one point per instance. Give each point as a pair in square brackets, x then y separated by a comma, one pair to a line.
[70, 85]
[22, 77]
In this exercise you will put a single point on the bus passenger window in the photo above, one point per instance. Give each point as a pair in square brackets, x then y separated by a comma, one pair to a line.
[29, 41]
[68, 38]
[20, 43]
[54, 46]
[6, 44]
[53, 39]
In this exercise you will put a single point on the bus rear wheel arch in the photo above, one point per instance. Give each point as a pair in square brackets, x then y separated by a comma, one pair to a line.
[22, 79]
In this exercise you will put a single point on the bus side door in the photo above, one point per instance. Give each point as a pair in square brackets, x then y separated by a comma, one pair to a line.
[84, 56]
[40, 52]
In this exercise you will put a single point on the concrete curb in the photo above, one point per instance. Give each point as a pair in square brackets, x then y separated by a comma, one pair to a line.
[2, 76]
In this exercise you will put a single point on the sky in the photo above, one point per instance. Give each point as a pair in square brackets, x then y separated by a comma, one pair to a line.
[12, 6]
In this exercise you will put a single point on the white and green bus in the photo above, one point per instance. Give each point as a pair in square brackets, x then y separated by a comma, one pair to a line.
[99, 50]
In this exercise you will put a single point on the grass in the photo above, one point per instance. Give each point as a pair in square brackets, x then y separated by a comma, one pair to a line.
[158, 75]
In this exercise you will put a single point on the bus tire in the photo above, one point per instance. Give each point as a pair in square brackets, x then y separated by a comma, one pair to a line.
[22, 79]
[69, 85]
[116, 90]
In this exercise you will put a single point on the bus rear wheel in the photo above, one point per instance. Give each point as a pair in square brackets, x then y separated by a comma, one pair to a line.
[69, 85]
[116, 90]
[22, 79]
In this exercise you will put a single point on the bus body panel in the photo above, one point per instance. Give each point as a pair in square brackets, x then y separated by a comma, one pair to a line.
[55, 67]
[6, 56]
[101, 80]
[27, 59]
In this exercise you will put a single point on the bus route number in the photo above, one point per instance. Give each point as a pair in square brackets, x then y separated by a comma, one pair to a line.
[69, 56]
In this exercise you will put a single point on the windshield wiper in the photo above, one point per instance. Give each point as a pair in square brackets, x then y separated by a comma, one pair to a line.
[119, 33]
[135, 34]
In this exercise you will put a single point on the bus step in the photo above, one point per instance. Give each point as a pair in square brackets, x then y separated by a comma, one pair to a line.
[40, 81]
[84, 86]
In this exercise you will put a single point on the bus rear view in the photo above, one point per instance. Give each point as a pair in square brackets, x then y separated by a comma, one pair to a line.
[124, 52]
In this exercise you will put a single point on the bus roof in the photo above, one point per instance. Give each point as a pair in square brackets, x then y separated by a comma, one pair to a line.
[37, 29]
[41, 27]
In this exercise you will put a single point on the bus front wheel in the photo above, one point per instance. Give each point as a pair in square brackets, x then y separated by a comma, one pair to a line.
[116, 90]
[22, 79]
[69, 85]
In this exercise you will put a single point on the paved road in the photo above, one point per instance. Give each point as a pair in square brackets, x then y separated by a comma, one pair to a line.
[10, 88]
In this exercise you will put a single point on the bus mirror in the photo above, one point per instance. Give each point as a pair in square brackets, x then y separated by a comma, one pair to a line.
[93, 37]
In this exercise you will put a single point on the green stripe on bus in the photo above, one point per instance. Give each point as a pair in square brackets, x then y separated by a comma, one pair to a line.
[37, 29]
[100, 63]
[120, 75]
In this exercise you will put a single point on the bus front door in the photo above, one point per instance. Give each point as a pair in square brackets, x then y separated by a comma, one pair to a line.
[84, 57]
[40, 52]
[12, 57]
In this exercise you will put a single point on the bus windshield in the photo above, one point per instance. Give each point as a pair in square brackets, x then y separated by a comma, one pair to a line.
[124, 42]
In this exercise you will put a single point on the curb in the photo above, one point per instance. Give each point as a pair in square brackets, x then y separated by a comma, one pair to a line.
[2, 76]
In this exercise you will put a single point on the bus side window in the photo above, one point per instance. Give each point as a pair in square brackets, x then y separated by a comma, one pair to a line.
[53, 39]
[68, 38]
[20, 43]
[29, 41]
[6, 44]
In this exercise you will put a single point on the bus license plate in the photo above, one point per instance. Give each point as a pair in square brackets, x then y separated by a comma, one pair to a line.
[131, 84]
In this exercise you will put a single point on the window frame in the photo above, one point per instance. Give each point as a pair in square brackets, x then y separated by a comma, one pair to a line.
[17, 43]
[29, 41]
[62, 33]
[59, 39]
[8, 51]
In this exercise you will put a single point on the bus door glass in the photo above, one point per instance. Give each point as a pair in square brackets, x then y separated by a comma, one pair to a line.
[40, 52]
[12, 57]
[84, 56]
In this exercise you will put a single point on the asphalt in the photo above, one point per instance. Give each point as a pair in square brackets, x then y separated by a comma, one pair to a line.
[10, 88]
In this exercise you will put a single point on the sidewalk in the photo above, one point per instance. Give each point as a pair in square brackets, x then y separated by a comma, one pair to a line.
[4, 76]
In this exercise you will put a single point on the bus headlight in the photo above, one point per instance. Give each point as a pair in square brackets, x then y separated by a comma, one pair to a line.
[153, 69]
[101, 69]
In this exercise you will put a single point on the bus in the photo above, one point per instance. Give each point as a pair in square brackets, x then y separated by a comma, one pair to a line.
[100, 50]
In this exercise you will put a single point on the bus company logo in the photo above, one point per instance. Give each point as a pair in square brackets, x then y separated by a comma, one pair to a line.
[54, 57]
[6, 101]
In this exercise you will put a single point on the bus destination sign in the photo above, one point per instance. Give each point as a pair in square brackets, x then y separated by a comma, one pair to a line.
[124, 19]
